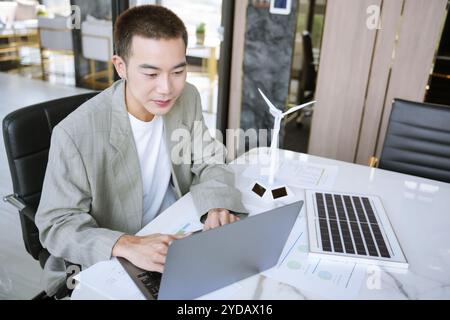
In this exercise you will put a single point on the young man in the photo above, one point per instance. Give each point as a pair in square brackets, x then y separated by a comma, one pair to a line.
[110, 170]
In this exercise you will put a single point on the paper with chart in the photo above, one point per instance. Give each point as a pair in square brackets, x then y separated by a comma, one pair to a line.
[307, 175]
[110, 280]
[298, 174]
[174, 223]
[327, 279]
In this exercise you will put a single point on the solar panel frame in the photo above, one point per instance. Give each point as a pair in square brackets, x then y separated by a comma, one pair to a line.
[351, 226]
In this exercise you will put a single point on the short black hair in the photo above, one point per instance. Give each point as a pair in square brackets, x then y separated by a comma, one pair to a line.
[149, 21]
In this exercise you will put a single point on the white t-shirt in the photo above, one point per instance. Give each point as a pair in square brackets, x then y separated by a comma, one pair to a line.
[155, 166]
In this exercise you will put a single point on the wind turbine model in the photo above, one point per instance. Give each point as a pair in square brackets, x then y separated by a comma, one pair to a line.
[277, 191]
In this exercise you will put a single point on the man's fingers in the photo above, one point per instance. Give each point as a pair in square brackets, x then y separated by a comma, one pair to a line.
[211, 222]
[224, 217]
[157, 267]
[153, 262]
[167, 238]
[158, 258]
[161, 248]
[219, 217]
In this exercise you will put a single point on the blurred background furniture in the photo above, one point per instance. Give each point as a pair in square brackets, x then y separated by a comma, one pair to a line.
[18, 32]
[19, 13]
[202, 61]
[97, 46]
[418, 140]
[55, 38]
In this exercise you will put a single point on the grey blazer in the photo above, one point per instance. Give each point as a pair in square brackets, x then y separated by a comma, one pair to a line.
[92, 192]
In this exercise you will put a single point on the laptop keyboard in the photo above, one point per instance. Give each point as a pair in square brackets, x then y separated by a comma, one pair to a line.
[151, 281]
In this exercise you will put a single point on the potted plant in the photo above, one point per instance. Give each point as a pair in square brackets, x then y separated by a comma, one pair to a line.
[41, 11]
[200, 33]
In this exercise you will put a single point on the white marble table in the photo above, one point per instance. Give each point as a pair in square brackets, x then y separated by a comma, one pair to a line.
[419, 213]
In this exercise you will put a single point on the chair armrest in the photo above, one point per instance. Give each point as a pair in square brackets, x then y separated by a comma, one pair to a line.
[16, 202]
[373, 162]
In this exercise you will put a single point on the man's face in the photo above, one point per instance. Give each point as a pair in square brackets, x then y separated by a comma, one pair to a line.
[155, 73]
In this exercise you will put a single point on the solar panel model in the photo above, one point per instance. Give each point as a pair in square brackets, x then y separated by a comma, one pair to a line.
[351, 227]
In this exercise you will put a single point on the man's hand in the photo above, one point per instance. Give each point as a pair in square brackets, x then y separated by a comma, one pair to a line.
[148, 253]
[218, 217]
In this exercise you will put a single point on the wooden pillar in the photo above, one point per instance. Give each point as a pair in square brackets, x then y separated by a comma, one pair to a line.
[363, 69]
[345, 61]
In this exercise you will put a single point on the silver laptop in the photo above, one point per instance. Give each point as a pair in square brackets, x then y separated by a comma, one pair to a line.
[210, 260]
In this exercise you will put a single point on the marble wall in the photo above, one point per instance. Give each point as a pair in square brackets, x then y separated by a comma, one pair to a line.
[269, 40]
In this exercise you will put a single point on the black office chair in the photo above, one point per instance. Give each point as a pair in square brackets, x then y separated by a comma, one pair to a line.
[26, 133]
[418, 140]
[307, 83]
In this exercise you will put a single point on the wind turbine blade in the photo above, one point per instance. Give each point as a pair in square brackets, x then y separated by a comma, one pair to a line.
[297, 108]
[273, 110]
